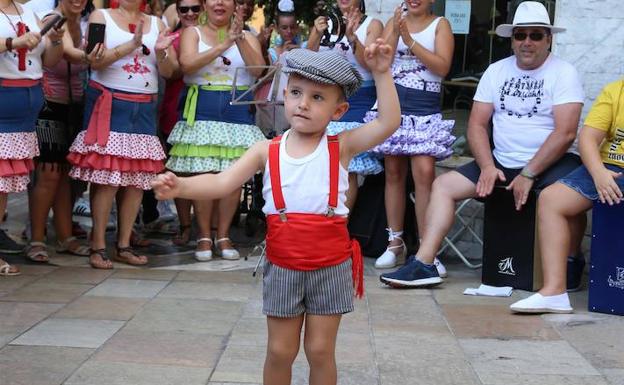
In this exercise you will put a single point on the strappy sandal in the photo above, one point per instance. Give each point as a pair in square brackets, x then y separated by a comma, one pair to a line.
[104, 264]
[38, 252]
[204, 255]
[230, 253]
[65, 247]
[130, 258]
[137, 241]
[8, 270]
[183, 237]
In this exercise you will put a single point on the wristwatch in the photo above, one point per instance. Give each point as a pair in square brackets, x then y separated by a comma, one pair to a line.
[528, 173]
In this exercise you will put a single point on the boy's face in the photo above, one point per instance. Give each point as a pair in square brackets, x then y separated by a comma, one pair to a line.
[311, 106]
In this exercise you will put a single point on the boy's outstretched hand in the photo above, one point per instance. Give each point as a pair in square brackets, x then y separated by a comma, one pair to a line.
[378, 56]
[166, 186]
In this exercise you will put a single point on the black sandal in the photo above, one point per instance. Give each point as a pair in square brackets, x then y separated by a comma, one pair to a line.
[180, 239]
[103, 256]
[131, 259]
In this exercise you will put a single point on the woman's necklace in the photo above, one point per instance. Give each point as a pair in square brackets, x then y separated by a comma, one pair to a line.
[9, 19]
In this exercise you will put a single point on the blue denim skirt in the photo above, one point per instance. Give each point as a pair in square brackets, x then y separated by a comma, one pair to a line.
[581, 181]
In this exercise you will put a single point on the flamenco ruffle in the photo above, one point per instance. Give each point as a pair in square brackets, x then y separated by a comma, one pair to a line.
[191, 150]
[196, 165]
[129, 146]
[113, 163]
[365, 163]
[16, 167]
[219, 134]
[14, 184]
[18, 145]
[138, 179]
[418, 135]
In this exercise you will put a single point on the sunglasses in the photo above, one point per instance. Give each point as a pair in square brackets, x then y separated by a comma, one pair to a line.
[534, 36]
[185, 9]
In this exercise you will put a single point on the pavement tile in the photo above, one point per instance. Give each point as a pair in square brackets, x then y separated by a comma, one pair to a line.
[8, 284]
[17, 317]
[75, 333]
[128, 288]
[249, 331]
[348, 374]
[237, 276]
[36, 269]
[48, 292]
[158, 275]
[115, 373]
[207, 291]
[492, 378]
[605, 348]
[108, 308]
[76, 275]
[39, 365]
[175, 349]
[187, 315]
[453, 371]
[426, 349]
[520, 357]
[240, 364]
[615, 376]
[496, 321]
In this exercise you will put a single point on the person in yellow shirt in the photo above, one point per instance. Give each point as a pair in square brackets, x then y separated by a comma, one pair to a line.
[599, 178]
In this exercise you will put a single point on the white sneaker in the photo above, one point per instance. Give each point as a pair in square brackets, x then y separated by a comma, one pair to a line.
[165, 212]
[440, 267]
[538, 303]
[82, 208]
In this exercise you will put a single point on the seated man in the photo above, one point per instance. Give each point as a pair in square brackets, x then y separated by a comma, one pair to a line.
[535, 101]
[599, 178]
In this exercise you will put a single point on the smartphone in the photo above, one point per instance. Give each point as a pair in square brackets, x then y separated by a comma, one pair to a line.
[404, 8]
[51, 23]
[95, 35]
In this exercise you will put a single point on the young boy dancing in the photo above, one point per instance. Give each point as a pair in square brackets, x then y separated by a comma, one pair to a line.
[312, 264]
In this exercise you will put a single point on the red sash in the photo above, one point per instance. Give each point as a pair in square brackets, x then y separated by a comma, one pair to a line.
[19, 82]
[99, 123]
[311, 241]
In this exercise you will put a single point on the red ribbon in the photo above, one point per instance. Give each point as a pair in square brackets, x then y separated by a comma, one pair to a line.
[21, 52]
[99, 123]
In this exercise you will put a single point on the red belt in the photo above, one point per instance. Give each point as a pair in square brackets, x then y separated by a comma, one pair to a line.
[99, 123]
[19, 82]
[311, 241]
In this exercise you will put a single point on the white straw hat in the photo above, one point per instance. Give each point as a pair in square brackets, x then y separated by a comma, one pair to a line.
[528, 14]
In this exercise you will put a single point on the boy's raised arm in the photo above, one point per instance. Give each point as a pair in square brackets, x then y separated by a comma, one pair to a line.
[213, 186]
[379, 57]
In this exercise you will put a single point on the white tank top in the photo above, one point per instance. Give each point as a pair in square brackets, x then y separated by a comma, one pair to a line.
[305, 182]
[219, 72]
[134, 72]
[407, 68]
[9, 60]
[342, 47]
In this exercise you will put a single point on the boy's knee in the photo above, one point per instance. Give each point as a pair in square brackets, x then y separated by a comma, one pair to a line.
[318, 353]
[282, 353]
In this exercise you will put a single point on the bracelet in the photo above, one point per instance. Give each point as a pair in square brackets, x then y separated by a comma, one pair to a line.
[412, 45]
[8, 43]
[56, 43]
[528, 173]
[116, 52]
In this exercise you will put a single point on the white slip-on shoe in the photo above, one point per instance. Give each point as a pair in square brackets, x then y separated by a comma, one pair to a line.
[538, 303]
[440, 267]
[388, 259]
[204, 255]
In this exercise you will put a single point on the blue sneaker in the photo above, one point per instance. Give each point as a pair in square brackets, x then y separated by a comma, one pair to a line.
[413, 274]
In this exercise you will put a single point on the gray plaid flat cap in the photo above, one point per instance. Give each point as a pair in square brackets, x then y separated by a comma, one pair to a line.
[325, 67]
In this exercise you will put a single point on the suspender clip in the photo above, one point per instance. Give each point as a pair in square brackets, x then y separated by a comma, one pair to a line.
[330, 211]
[282, 214]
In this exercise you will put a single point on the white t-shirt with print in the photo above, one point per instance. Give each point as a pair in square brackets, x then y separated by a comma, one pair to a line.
[523, 100]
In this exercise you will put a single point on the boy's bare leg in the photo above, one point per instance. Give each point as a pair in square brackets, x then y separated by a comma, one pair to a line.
[282, 349]
[320, 347]
[557, 205]
[423, 173]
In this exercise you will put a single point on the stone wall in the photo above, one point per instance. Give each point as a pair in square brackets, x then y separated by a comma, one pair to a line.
[594, 41]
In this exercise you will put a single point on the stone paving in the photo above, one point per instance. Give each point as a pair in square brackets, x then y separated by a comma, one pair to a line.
[179, 322]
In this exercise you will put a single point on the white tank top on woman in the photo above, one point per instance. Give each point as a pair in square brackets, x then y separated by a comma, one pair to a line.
[305, 182]
[134, 72]
[9, 60]
[342, 47]
[219, 72]
[405, 60]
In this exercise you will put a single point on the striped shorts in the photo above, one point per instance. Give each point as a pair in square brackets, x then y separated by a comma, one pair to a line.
[290, 293]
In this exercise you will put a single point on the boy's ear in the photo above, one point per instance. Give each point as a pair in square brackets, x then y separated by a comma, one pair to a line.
[341, 109]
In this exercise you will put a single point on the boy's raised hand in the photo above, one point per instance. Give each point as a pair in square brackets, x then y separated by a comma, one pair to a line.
[166, 186]
[378, 56]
